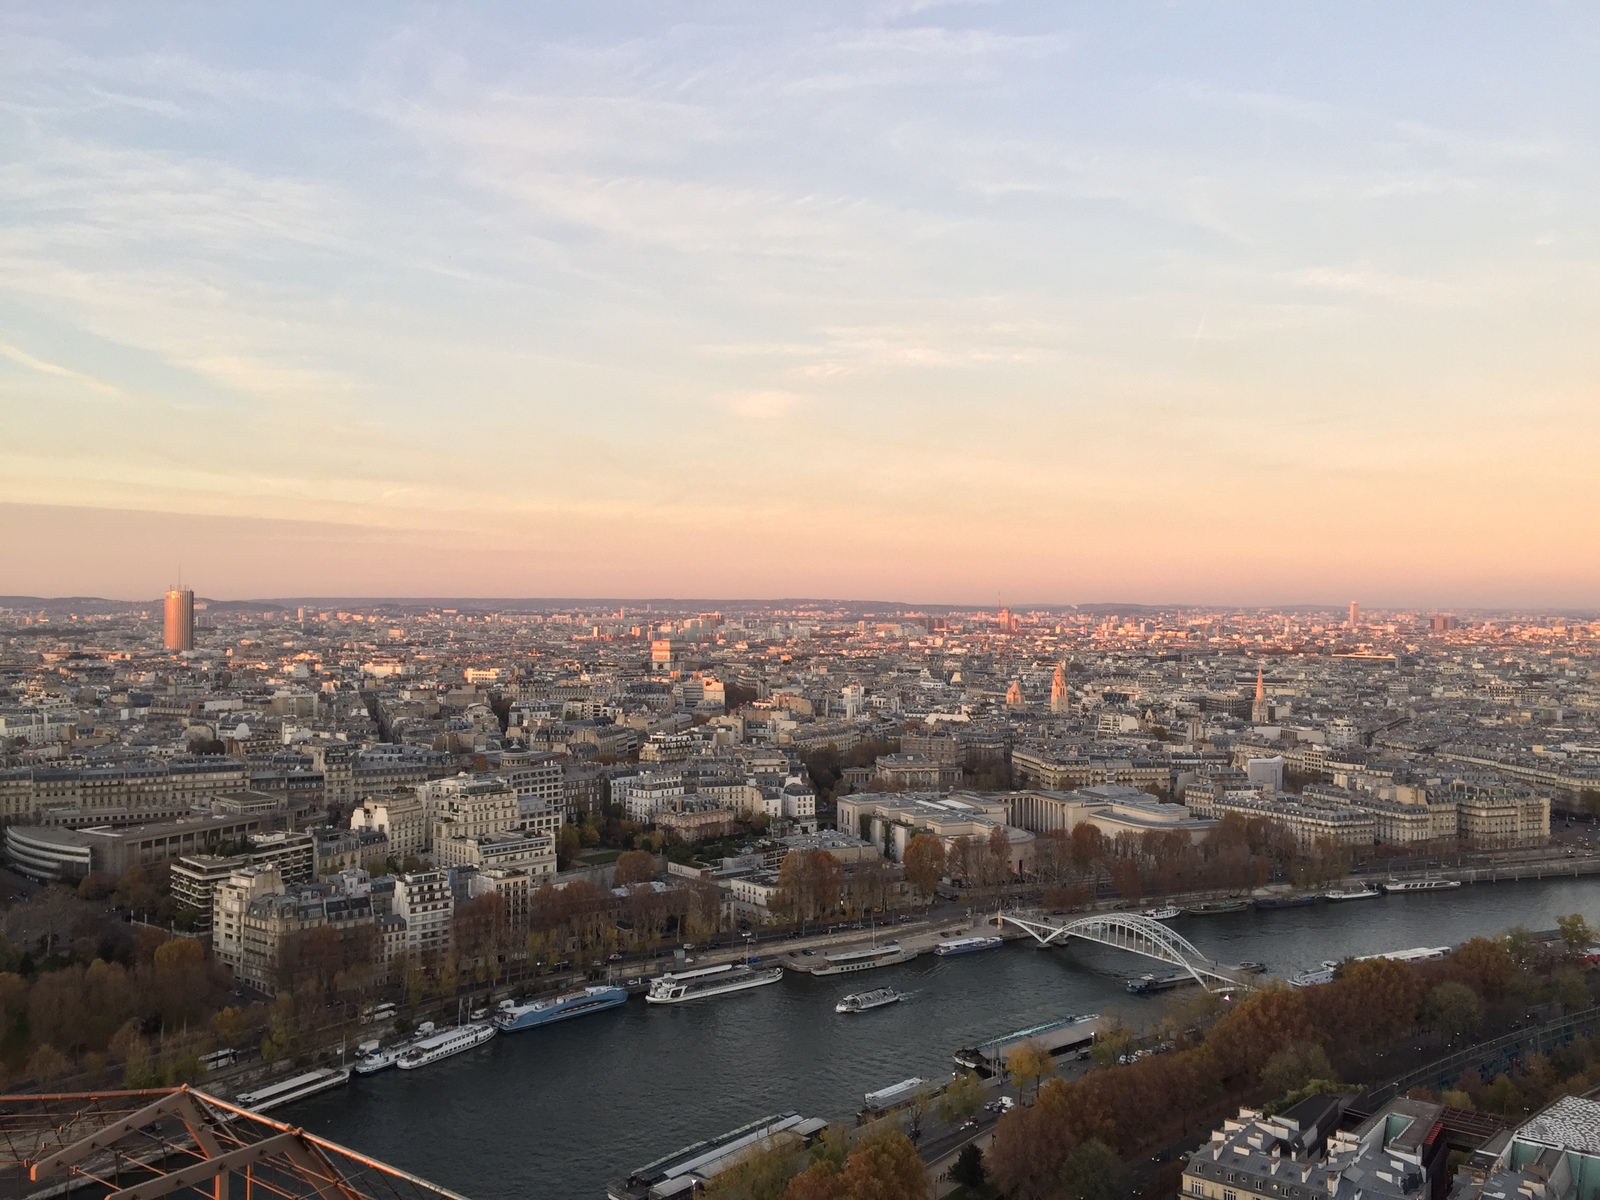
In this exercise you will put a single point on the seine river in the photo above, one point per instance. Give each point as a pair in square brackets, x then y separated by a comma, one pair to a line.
[555, 1113]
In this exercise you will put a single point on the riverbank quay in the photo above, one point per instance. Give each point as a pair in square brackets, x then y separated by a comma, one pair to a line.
[1489, 866]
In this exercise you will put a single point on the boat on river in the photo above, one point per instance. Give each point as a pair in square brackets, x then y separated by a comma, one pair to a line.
[1339, 895]
[1147, 984]
[706, 982]
[514, 1018]
[866, 1001]
[457, 1040]
[1420, 885]
[862, 960]
[379, 1058]
[1268, 903]
[1215, 908]
[1414, 955]
[1312, 978]
[298, 1087]
[1166, 913]
[375, 1056]
[970, 945]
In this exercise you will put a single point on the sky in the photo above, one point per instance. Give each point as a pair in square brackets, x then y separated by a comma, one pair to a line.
[955, 303]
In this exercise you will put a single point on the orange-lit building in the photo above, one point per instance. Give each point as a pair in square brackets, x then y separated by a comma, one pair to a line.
[180, 620]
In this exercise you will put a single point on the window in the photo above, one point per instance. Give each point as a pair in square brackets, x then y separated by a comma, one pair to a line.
[1230, 1196]
[1196, 1188]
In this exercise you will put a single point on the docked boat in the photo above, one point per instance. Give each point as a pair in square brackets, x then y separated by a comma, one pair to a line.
[430, 1050]
[1420, 885]
[969, 945]
[891, 1097]
[1323, 974]
[866, 1001]
[378, 1059]
[287, 1091]
[1217, 908]
[1338, 895]
[1267, 903]
[514, 1018]
[1414, 955]
[1165, 913]
[863, 960]
[373, 1056]
[709, 981]
[1146, 984]
[1064, 1038]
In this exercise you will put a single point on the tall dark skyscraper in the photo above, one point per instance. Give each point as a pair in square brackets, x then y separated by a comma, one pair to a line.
[180, 620]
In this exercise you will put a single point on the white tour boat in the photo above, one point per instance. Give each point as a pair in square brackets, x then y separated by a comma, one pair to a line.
[1361, 893]
[1323, 974]
[442, 1045]
[866, 1001]
[1420, 885]
[276, 1095]
[709, 981]
[864, 960]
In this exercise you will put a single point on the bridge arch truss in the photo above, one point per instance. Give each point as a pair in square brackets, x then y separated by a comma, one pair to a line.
[1135, 934]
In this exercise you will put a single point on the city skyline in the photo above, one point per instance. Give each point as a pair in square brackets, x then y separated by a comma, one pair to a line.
[1187, 305]
[644, 607]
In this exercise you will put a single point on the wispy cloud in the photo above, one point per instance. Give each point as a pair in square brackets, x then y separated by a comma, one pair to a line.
[60, 372]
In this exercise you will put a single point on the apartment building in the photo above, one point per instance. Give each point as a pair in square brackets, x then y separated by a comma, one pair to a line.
[195, 877]
[1052, 771]
[1310, 821]
[1501, 817]
[643, 796]
[398, 817]
[472, 806]
[132, 787]
[512, 850]
[425, 902]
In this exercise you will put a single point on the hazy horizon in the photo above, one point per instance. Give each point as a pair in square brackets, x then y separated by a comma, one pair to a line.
[641, 605]
[1230, 304]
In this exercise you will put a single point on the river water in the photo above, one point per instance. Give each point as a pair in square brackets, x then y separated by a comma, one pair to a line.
[553, 1114]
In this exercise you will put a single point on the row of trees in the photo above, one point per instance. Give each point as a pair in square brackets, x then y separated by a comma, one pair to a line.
[1238, 854]
[813, 885]
[85, 1015]
[1275, 1042]
[883, 1166]
[325, 965]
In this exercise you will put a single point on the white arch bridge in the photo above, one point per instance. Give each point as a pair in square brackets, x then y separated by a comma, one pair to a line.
[1138, 935]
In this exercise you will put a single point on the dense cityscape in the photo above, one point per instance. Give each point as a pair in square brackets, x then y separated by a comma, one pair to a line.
[252, 844]
[889, 600]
